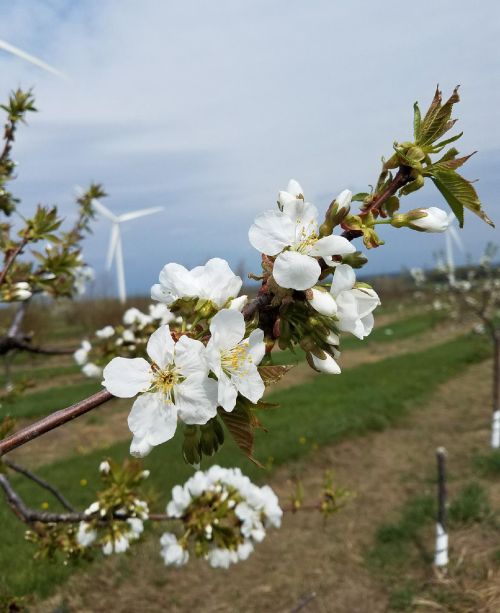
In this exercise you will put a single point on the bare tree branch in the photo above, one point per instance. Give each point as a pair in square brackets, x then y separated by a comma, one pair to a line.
[41, 482]
[53, 421]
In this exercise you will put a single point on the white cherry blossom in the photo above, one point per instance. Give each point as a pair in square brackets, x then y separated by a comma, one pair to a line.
[292, 234]
[215, 281]
[172, 552]
[355, 305]
[234, 359]
[82, 353]
[91, 370]
[175, 385]
[106, 332]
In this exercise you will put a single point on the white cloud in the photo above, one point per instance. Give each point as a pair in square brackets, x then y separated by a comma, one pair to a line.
[209, 108]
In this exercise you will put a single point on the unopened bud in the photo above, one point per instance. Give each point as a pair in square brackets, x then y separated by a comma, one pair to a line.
[355, 260]
[336, 213]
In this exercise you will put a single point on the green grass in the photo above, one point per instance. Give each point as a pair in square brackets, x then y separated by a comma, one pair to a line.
[398, 330]
[324, 411]
[399, 555]
[39, 374]
[470, 505]
[488, 465]
[40, 403]
[394, 540]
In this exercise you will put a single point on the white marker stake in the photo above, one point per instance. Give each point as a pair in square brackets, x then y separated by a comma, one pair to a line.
[495, 430]
[441, 554]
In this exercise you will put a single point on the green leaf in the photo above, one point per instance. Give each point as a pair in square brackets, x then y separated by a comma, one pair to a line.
[417, 122]
[448, 162]
[439, 146]
[459, 193]
[359, 197]
[437, 120]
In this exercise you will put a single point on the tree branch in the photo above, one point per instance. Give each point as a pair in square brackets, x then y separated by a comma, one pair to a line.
[29, 515]
[403, 176]
[53, 421]
[39, 481]
[11, 258]
[9, 343]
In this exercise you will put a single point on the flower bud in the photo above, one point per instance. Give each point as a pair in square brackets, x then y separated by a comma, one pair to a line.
[337, 211]
[323, 302]
[325, 365]
[432, 219]
[355, 260]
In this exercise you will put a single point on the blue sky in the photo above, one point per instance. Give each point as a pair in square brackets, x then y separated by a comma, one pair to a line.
[209, 108]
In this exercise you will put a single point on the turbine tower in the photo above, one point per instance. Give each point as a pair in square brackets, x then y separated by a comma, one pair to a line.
[451, 236]
[115, 248]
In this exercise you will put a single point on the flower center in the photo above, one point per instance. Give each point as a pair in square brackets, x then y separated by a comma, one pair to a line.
[305, 242]
[166, 379]
[233, 359]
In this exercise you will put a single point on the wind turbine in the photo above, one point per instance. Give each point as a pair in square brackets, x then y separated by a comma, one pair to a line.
[31, 59]
[115, 248]
[451, 236]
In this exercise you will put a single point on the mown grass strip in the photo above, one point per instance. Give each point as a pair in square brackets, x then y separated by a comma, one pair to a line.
[40, 403]
[42, 373]
[367, 398]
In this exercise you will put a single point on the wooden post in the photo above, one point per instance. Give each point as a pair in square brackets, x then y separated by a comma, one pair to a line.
[441, 554]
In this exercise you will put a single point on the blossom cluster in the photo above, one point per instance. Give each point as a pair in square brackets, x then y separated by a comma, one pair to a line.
[223, 515]
[127, 339]
[117, 518]
[197, 354]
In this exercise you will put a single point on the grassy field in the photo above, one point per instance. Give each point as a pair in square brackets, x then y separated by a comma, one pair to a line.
[321, 412]
[397, 330]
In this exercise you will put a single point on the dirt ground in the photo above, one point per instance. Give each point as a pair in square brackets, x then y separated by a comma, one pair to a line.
[107, 425]
[309, 565]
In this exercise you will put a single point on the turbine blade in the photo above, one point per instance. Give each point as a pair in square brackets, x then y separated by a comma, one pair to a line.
[141, 213]
[120, 271]
[113, 241]
[32, 59]
[104, 211]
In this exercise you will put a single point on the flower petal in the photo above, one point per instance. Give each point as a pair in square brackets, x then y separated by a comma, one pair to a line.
[160, 346]
[219, 283]
[190, 357]
[344, 279]
[139, 447]
[295, 188]
[152, 419]
[227, 328]
[250, 384]
[124, 377]
[175, 281]
[332, 245]
[227, 393]
[367, 300]
[196, 399]
[295, 270]
[256, 346]
[271, 232]
[304, 216]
